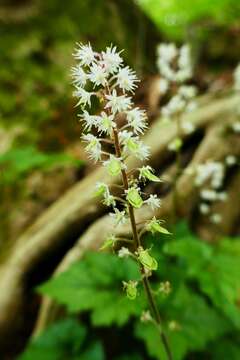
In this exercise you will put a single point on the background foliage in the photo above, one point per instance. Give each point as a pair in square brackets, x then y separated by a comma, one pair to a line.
[200, 314]
[178, 18]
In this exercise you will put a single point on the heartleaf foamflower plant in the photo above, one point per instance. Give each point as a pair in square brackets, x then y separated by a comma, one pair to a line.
[111, 136]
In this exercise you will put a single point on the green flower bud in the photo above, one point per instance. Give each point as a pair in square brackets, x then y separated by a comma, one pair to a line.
[146, 172]
[131, 289]
[132, 145]
[147, 260]
[175, 145]
[154, 226]
[101, 189]
[106, 123]
[134, 198]
[109, 242]
[114, 166]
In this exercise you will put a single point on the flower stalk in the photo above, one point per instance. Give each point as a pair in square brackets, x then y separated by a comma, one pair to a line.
[110, 82]
[137, 243]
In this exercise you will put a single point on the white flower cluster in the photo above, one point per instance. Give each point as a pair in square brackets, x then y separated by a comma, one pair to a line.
[175, 67]
[210, 177]
[103, 76]
[169, 55]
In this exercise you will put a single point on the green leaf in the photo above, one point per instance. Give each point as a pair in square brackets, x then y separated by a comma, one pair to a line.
[197, 324]
[176, 18]
[95, 284]
[215, 268]
[19, 161]
[226, 349]
[130, 357]
[193, 252]
[221, 282]
[63, 340]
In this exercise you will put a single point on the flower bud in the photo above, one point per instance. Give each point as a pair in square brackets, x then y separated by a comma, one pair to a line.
[147, 260]
[134, 198]
[154, 226]
[131, 289]
[146, 172]
[113, 166]
[109, 242]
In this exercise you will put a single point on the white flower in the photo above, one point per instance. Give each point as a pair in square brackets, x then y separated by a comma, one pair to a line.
[167, 52]
[111, 59]
[143, 151]
[187, 91]
[85, 54]
[217, 181]
[137, 120]
[84, 96]
[105, 123]
[118, 103]
[165, 69]
[103, 190]
[236, 127]
[184, 60]
[90, 120]
[119, 217]
[124, 252]
[146, 316]
[174, 106]
[204, 208]
[211, 170]
[126, 79]
[231, 160]
[125, 135]
[163, 85]
[187, 127]
[153, 202]
[208, 194]
[222, 196]
[183, 75]
[174, 65]
[165, 288]
[93, 147]
[216, 218]
[236, 76]
[166, 113]
[191, 106]
[97, 74]
[133, 145]
[79, 76]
